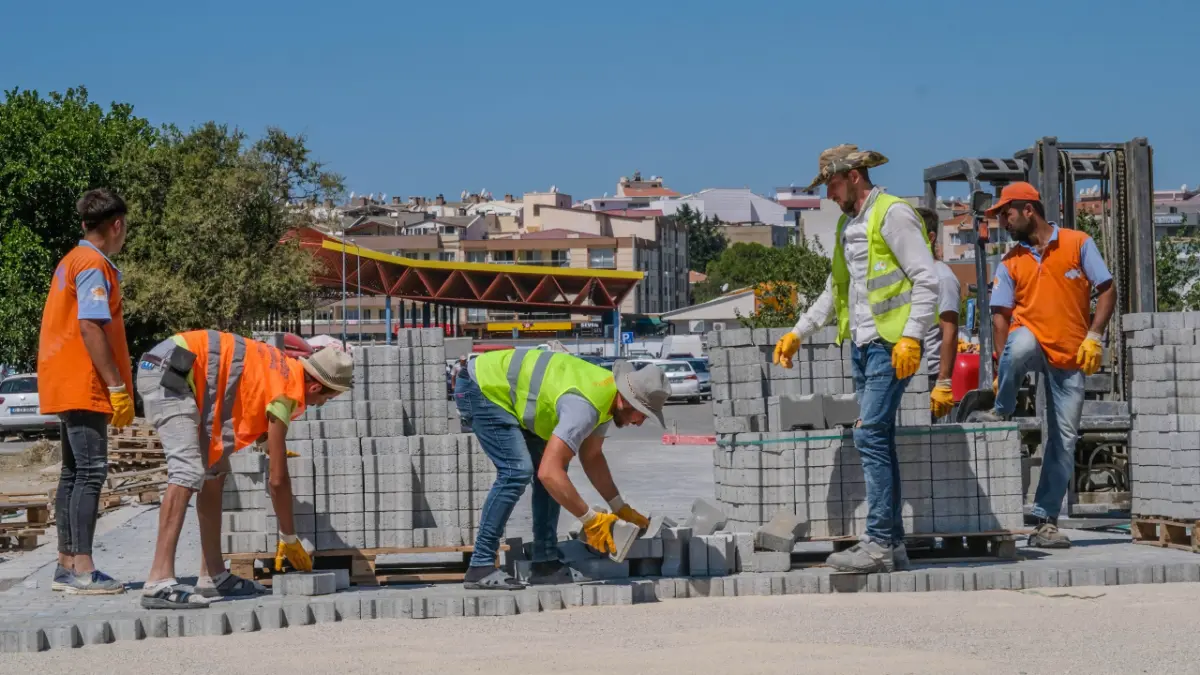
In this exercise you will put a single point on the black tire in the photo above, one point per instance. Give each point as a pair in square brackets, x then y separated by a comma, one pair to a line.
[694, 399]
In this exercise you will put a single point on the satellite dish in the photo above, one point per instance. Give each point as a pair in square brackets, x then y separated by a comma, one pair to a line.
[352, 194]
[462, 196]
[1183, 188]
[553, 188]
[724, 287]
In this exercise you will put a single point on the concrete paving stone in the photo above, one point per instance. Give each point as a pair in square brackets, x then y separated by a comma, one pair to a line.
[643, 591]
[155, 625]
[298, 614]
[771, 561]
[550, 599]
[497, 605]
[217, 622]
[1182, 572]
[97, 632]
[847, 583]
[879, 583]
[528, 601]
[646, 567]
[801, 583]
[392, 607]
[324, 611]
[243, 619]
[305, 583]
[66, 636]
[271, 617]
[24, 640]
[697, 556]
[127, 627]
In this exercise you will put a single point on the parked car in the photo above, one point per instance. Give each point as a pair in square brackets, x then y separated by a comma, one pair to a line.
[681, 378]
[701, 367]
[19, 407]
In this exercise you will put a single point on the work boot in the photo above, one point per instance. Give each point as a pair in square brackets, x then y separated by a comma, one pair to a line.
[549, 573]
[866, 557]
[1046, 535]
[900, 557]
[987, 416]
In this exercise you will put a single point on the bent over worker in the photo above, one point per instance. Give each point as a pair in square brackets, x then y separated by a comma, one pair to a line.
[1042, 315]
[533, 411]
[883, 291]
[210, 394]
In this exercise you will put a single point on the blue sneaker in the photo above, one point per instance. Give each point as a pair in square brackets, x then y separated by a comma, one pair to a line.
[96, 583]
[63, 578]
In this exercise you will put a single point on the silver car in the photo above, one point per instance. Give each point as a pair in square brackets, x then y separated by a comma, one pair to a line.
[19, 407]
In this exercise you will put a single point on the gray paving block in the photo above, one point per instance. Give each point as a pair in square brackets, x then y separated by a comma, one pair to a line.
[305, 583]
[127, 628]
[646, 567]
[705, 519]
[528, 601]
[217, 623]
[24, 640]
[155, 625]
[497, 605]
[65, 636]
[879, 583]
[1182, 572]
[840, 582]
[271, 617]
[550, 599]
[97, 632]
[779, 534]
[243, 619]
[298, 614]
[392, 608]
[771, 561]
[697, 556]
[324, 611]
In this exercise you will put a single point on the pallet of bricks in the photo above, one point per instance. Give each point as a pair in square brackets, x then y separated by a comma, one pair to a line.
[1164, 445]
[378, 474]
[961, 484]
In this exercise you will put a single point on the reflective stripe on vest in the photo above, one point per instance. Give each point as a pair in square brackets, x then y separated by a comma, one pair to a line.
[889, 290]
[525, 388]
[212, 377]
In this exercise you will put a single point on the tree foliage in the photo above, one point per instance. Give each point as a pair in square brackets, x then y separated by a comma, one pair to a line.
[207, 212]
[789, 279]
[1177, 268]
[706, 238]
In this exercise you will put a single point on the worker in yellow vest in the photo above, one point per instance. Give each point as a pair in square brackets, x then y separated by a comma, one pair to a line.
[533, 411]
[883, 291]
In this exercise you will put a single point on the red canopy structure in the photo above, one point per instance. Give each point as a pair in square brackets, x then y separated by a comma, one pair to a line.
[520, 288]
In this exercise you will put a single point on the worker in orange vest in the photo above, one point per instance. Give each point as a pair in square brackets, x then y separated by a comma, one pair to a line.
[210, 394]
[83, 377]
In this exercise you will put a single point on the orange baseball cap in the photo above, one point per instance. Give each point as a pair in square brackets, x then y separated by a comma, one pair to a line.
[1021, 191]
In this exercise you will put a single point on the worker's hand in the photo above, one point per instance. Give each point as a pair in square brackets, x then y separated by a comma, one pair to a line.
[996, 385]
[906, 357]
[627, 513]
[290, 548]
[785, 349]
[122, 405]
[1088, 356]
[941, 399]
[597, 531]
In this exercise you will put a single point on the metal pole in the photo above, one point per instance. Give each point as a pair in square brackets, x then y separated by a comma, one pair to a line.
[343, 303]
[617, 333]
[358, 283]
[387, 314]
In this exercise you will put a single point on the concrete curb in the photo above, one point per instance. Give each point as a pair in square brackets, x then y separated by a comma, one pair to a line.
[269, 613]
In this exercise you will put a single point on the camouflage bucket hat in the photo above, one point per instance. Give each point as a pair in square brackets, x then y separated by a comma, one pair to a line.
[842, 158]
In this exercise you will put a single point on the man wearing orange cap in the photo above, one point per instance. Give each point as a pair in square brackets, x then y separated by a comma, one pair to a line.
[1041, 314]
[883, 292]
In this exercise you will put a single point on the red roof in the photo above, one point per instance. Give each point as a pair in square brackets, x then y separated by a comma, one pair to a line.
[802, 203]
[695, 277]
[635, 213]
[649, 192]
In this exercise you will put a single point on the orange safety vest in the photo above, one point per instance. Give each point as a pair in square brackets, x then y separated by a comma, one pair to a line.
[236, 379]
[67, 379]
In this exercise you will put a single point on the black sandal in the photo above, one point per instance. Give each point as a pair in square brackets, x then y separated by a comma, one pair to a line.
[232, 586]
[496, 581]
[174, 596]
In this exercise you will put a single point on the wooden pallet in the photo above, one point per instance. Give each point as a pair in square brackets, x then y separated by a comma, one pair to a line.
[938, 547]
[1165, 533]
[363, 566]
[22, 535]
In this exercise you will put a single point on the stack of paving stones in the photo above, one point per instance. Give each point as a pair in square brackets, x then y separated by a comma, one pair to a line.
[955, 478]
[1164, 451]
[745, 382]
[377, 466]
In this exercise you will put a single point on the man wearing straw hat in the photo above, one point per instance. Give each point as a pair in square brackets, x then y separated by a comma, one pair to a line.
[883, 293]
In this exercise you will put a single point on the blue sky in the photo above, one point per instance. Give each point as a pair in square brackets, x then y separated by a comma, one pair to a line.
[421, 98]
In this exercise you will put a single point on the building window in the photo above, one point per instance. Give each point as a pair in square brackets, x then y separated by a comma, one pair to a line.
[503, 257]
[446, 256]
[476, 256]
[366, 315]
[531, 257]
[475, 315]
[602, 258]
[560, 258]
[351, 313]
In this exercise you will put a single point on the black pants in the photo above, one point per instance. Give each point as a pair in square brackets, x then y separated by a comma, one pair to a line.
[84, 467]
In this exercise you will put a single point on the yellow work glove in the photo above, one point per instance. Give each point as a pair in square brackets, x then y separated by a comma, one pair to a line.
[290, 548]
[941, 399]
[996, 384]
[906, 357]
[597, 531]
[1088, 356]
[785, 349]
[122, 405]
[292, 454]
[627, 513]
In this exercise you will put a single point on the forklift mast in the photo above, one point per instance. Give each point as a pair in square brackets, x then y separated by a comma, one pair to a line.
[1125, 173]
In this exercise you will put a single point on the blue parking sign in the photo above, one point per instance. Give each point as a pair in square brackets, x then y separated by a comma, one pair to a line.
[627, 337]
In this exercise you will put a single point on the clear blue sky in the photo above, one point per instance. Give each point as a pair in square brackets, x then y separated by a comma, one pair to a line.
[426, 97]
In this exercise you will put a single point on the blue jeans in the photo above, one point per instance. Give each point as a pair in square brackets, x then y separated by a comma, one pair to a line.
[879, 395]
[516, 454]
[1064, 396]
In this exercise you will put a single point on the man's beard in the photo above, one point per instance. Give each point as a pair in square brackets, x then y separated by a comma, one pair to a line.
[850, 206]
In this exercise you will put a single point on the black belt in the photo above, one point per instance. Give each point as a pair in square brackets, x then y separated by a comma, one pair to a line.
[150, 358]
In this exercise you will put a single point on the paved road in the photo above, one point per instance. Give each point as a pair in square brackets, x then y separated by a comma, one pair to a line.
[1151, 629]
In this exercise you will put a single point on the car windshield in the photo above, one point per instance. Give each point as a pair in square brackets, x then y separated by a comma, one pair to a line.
[675, 368]
[19, 385]
[699, 366]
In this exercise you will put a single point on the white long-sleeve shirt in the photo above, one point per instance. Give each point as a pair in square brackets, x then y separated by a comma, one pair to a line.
[904, 234]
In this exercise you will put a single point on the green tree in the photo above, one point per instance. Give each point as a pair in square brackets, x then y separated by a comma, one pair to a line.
[791, 278]
[1177, 267]
[52, 150]
[208, 223]
[706, 238]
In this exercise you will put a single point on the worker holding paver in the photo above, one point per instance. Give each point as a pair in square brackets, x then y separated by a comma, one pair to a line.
[533, 411]
[1042, 315]
[83, 377]
[883, 291]
[210, 394]
[941, 342]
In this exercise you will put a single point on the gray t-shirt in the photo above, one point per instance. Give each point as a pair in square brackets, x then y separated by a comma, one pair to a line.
[577, 417]
[948, 298]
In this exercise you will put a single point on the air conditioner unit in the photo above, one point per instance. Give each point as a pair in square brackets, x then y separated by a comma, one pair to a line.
[718, 325]
[696, 326]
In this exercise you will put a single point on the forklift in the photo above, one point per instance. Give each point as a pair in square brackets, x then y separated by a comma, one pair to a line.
[1100, 484]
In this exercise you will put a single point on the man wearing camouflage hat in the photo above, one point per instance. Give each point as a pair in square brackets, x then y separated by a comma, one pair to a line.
[883, 292]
